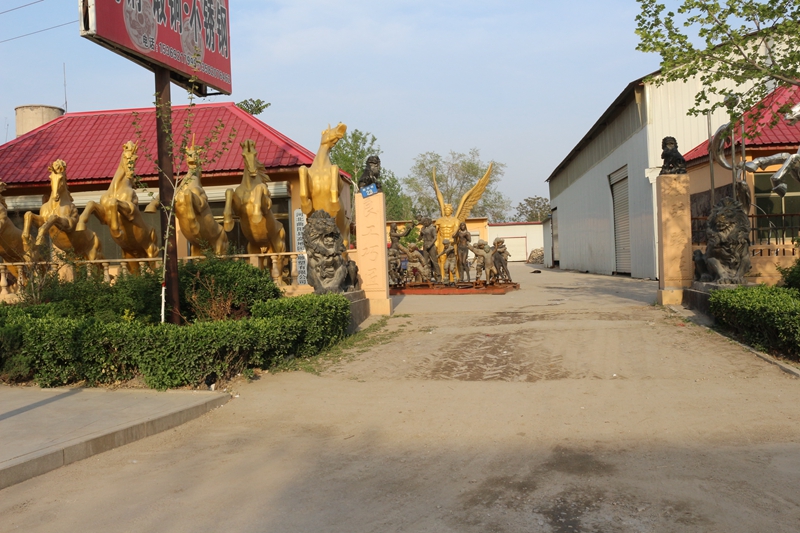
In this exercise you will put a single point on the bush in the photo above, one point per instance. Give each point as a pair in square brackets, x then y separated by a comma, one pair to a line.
[790, 277]
[767, 317]
[212, 283]
[323, 317]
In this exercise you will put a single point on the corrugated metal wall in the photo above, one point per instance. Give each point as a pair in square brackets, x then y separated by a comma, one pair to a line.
[548, 243]
[586, 214]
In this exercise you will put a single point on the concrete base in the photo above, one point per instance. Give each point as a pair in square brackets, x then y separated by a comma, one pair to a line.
[697, 297]
[670, 296]
[381, 306]
[359, 309]
[297, 290]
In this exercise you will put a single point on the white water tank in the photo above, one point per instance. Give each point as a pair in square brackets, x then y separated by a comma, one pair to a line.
[30, 117]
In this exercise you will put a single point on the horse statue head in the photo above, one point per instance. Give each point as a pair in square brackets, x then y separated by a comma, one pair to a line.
[253, 168]
[58, 181]
[129, 157]
[331, 136]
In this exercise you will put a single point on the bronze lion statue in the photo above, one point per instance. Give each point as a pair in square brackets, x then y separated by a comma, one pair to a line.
[727, 256]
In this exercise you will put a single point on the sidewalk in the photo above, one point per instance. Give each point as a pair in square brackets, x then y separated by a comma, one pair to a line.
[44, 429]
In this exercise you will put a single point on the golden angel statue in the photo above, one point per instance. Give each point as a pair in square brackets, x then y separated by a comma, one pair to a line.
[448, 223]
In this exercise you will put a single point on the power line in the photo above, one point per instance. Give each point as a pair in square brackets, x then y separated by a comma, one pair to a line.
[20, 7]
[40, 31]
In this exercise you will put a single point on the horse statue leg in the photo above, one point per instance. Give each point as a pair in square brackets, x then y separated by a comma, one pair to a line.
[233, 207]
[305, 194]
[92, 208]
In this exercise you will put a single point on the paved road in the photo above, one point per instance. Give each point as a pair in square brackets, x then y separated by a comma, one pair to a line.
[571, 405]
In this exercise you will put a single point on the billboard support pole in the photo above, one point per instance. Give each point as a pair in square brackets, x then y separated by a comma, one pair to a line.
[166, 191]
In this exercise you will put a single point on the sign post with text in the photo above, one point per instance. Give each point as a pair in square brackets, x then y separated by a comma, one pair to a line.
[186, 42]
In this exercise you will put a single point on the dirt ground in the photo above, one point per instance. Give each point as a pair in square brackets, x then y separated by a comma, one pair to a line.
[572, 405]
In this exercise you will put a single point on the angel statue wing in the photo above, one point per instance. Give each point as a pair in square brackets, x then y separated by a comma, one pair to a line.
[439, 196]
[471, 198]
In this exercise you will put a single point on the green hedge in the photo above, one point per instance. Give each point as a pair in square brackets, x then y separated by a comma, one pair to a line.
[324, 318]
[767, 317]
[56, 350]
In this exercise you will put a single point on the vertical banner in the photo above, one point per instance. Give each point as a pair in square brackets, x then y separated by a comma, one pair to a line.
[302, 268]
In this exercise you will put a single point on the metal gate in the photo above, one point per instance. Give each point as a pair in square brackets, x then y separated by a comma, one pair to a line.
[622, 227]
[554, 226]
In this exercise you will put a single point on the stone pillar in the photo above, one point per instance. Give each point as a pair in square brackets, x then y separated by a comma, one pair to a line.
[675, 267]
[373, 259]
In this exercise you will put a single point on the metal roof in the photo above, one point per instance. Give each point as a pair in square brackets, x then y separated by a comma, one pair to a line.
[782, 135]
[91, 143]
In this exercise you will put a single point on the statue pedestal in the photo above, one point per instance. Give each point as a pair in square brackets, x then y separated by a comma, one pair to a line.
[372, 256]
[675, 267]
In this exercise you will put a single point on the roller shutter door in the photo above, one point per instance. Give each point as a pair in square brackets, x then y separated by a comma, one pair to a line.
[622, 227]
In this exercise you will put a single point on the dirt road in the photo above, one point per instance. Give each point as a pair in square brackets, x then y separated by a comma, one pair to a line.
[571, 405]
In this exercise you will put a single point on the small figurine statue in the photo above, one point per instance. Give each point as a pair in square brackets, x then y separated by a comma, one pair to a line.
[395, 235]
[500, 259]
[674, 163]
[483, 259]
[371, 173]
[418, 267]
[449, 262]
[429, 235]
[463, 239]
[395, 273]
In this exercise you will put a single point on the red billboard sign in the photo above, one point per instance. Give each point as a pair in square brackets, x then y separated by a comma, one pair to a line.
[189, 37]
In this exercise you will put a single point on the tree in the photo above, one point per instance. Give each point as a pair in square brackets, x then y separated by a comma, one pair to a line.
[755, 44]
[455, 175]
[351, 153]
[254, 107]
[532, 209]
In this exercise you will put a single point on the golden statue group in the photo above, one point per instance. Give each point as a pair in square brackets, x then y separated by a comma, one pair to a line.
[446, 243]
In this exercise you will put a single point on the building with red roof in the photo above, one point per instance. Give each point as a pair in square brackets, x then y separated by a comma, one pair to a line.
[91, 145]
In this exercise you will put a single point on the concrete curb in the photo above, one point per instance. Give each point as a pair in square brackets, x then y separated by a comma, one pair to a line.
[52, 459]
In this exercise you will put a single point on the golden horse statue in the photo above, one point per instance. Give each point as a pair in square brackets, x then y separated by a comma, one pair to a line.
[193, 212]
[448, 223]
[58, 216]
[11, 248]
[119, 210]
[250, 201]
[319, 183]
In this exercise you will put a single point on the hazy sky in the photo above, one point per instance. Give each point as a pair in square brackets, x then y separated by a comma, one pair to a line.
[520, 80]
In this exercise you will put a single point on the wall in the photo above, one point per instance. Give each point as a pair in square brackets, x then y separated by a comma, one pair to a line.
[547, 234]
[530, 234]
[586, 214]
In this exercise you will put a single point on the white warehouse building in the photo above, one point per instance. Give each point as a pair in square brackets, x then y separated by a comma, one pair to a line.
[602, 195]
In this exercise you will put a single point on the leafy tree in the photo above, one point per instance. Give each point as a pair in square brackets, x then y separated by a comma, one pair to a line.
[254, 107]
[755, 44]
[455, 175]
[351, 153]
[532, 209]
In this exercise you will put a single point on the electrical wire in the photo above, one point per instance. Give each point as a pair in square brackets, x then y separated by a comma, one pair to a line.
[20, 7]
[39, 31]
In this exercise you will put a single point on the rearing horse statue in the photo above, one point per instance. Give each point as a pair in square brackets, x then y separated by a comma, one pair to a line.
[59, 217]
[251, 202]
[319, 183]
[119, 210]
[193, 212]
[11, 249]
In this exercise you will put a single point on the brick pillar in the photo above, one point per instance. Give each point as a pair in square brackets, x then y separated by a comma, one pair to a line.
[373, 259]
[675, 267]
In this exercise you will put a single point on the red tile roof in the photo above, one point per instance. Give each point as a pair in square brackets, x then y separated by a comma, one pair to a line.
[91, 143]
[781, 135]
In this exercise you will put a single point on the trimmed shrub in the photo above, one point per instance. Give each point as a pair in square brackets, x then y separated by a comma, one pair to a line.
[790, 277]
[236, 285]
[767, 317]
[323, 317]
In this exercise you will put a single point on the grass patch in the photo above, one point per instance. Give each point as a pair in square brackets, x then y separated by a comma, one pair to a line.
[346, 349]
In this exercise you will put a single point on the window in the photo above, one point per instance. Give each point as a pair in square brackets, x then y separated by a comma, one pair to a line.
[777, 219]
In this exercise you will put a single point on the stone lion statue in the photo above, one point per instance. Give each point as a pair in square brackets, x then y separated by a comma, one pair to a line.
[674, 163]
[727, 256]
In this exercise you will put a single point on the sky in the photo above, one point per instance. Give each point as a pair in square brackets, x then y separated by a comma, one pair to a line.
[522, 81]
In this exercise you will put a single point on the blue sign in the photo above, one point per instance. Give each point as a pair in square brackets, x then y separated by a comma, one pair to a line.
[369, 190]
